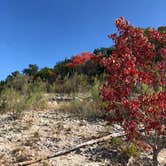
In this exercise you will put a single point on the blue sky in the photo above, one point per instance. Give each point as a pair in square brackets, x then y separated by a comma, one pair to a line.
[44, 32]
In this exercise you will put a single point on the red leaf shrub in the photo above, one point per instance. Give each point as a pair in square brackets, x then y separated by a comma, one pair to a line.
[130, 67]
[79, 59]
[135, 85]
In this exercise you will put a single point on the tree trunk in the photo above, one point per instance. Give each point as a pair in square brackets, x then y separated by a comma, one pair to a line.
[155, 154]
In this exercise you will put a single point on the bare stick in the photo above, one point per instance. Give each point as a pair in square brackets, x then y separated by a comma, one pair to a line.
[63, 152]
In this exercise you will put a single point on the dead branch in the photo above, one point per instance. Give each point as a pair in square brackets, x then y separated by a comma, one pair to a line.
[63, 152]
[130, 161]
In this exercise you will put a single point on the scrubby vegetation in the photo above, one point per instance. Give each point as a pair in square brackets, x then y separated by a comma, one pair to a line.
[30, 85]
[127, 80]
[135, 83]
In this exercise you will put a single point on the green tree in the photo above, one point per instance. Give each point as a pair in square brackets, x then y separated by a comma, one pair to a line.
[31, 71]
[62, 70]
[46, 74]
[162, 29]
[104, 51]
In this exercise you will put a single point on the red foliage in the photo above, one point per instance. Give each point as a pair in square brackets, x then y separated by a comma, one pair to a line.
[144, 146]
[80, 59]
[135, 83]
[130, 67]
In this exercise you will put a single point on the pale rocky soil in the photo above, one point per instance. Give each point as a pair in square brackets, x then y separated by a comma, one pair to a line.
[40, 133]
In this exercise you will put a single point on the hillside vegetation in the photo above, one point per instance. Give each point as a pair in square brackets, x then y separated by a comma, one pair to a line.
[122, 86]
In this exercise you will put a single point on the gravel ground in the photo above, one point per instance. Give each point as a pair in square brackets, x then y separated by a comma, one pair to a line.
[37, 134]
[40, 133]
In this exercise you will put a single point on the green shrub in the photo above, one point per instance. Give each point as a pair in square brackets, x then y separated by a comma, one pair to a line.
[116, 141]
[76, 83]
[34, 87]
[89, 107]
[11, 100]
[131, 149]
[14, 102]
[35, 101]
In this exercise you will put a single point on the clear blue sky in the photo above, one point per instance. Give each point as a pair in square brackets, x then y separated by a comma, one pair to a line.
[45, 31]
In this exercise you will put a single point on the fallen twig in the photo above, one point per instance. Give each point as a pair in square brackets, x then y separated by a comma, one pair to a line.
[63, 152]
[130, 161]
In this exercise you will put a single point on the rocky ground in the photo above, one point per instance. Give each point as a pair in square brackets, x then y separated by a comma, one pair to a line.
[40, 133]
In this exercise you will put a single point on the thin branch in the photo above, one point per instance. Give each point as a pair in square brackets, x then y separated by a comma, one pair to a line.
[64, 152]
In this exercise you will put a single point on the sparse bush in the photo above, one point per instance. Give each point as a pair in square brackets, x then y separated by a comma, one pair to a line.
[11, 100]
[77, 83]
[131, 149]
[14, 102]
[83, 109]
[117, 141]
[36, 101]
[38, 87]
[90, 107]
